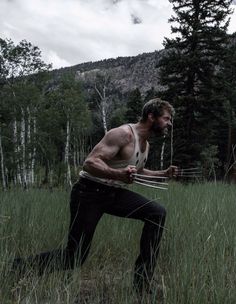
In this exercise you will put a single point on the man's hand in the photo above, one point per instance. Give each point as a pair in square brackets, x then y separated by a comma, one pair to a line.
[126, 174]
[172, 171]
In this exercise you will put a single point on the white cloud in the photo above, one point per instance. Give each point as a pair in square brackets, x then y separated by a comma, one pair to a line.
[57, 61]
[74, 31]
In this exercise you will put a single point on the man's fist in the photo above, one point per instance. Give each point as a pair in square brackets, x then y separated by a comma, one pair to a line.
[172, 171]
[126, 175]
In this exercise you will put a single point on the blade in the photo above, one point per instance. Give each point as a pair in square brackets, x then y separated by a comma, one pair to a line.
[183, 175]
[192, 173]
[149, 181]
[149, 176]
[189, 169]
[147, 185]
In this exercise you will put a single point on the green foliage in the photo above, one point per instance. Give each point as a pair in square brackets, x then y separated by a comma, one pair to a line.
[19, 60]
[152, 93]
[134, 106]
[118, 117]
[190, 71]
[38, 115]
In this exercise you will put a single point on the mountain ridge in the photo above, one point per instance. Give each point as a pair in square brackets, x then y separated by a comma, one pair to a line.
[125, 73]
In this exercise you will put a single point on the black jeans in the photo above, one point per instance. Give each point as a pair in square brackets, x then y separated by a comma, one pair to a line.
[89, 201]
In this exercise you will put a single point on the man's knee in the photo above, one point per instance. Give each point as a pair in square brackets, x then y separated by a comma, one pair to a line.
[159, 213]
[163, 212]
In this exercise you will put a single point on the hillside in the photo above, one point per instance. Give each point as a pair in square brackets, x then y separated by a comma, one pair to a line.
[125, 73]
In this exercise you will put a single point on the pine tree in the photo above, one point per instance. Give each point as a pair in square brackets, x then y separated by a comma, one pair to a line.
[134, 106]
[227, 90]
[189, 69]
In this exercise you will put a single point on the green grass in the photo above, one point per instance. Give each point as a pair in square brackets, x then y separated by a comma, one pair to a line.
[196, 263]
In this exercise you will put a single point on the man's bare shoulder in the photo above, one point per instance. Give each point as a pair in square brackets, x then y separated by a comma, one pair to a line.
[122, 134]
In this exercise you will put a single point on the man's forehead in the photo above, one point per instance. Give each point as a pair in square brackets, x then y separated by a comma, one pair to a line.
[166, 114]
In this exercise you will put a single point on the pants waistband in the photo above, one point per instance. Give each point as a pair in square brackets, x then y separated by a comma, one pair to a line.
[94, 184]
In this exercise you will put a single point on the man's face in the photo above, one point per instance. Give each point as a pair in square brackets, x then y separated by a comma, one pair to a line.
[161, 124]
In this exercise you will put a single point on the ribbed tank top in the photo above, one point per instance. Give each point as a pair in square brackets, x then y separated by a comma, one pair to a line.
[137, 159]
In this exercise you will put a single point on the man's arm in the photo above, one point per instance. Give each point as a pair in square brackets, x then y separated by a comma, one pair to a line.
[172, 171]
[106, 150]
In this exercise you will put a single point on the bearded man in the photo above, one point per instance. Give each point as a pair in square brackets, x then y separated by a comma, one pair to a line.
[103, 188]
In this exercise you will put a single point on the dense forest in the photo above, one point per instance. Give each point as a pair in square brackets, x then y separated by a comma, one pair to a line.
[50, 119]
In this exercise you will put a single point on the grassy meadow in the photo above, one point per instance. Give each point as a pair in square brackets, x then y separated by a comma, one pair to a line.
[196, 263]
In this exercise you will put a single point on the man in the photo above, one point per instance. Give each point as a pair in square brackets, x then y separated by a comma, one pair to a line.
[103, 188]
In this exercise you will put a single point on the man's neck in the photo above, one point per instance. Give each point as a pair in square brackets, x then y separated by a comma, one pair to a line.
[143, 131]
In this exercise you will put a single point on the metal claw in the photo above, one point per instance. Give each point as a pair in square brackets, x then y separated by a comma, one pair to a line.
[189, 169]
[149, 181]
[149, 176]
[194, 172]
[188, 175]
[148, 185]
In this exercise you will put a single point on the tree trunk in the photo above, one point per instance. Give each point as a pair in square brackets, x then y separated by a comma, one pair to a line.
[28, 170]
[4, 184]
[103, 106]
[172, 142]
[17, 153]
[104, 118]
[162, 153]
[22, 145]
[34, 152]
[67, 147]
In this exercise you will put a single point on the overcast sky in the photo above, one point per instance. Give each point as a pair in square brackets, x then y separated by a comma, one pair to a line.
[69, 32]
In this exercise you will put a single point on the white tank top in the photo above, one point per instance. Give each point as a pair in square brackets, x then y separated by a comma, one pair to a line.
[138, 159]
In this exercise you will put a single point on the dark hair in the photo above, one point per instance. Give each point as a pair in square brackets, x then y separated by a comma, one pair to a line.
[156, 106]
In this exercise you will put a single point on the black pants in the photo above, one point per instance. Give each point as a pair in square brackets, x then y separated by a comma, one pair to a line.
[89, 201]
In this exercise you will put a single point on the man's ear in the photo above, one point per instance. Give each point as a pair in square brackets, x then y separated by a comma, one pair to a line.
[151, 117]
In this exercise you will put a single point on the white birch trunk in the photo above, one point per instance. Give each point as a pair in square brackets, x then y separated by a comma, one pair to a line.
[34, 152]
[104, 110]
[17, 153]
[172, 142]
[28, 169]
[4, 184]
[82, 149]
[104, 118]
[103, 106]
[162, 153]
[68, 173]
[75, 159]
[22, 144]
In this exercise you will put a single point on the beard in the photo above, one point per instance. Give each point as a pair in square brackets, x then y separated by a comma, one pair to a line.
[159, 131]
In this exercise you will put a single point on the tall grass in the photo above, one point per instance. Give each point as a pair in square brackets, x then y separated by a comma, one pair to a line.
[196, 263]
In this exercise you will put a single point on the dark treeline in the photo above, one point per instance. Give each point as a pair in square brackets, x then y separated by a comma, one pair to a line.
[199, 73]
[48, 124]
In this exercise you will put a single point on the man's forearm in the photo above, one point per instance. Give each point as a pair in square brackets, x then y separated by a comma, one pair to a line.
[153, 173]
[99, 168]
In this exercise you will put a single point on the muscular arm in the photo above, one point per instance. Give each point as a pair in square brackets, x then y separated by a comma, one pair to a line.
[172, 171]
[107, 149]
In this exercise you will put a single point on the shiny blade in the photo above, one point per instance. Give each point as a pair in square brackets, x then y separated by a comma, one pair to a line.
[148, 185]
[150, 181]
[191, 173]
[149, 176]
[189, 169]
[193, 176]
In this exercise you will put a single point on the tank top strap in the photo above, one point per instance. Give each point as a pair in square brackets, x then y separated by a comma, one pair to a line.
[135, 137]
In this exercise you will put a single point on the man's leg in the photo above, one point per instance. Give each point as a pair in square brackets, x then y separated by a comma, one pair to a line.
[85, 214]
[132, 205]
